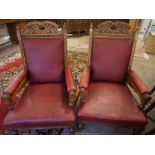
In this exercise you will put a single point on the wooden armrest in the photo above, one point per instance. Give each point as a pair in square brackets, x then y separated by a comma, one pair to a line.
[83, 95]
[84, 82]
[153, 89]
[16, 84]
[71, 89]
[151, 102]
[140, 87]
[138, 83]
[72, 95]
[69, 80]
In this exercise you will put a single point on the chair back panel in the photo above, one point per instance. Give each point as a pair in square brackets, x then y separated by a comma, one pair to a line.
[110, 59]
[43, 46]
[44, 59]
[112, 44]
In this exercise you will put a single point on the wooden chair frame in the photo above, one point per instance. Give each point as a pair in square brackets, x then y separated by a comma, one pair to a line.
[35, 30]
[115, 30]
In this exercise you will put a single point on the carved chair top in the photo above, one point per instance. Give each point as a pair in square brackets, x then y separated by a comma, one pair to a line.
[45, 28]
[114, 29]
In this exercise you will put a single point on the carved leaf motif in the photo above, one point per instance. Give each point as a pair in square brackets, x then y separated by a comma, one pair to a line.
[113, 28]
[41, 28]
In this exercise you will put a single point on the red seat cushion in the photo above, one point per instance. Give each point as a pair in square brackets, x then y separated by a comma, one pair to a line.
[45, 59]
[41, 105]
[110, 59]
[111, 103]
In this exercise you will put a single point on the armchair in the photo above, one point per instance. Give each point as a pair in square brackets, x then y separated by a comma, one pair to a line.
[48, 98]
[104, 93]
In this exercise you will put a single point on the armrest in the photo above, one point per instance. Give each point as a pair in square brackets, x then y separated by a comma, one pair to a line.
[151, 103]
[85, 78]
[70, 85]
[138, 83]
[140, 87]
[84, 82]
[69, 80]
[15, 84]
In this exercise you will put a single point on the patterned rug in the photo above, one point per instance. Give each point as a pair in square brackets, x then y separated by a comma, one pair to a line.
[11, 65]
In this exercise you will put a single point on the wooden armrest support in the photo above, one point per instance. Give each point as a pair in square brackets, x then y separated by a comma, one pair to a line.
[71, 98]
[138, 83]
[139, 87]
[83, 95]
[153, 89]
[6, 99]
[84, 82]
[15, 85]
[151, 103]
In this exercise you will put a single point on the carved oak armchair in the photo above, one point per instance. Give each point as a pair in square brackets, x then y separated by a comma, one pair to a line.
[48, 98]
[105, 96]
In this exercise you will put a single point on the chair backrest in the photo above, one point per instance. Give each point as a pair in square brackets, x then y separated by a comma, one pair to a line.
[112, 44]
[43, 49]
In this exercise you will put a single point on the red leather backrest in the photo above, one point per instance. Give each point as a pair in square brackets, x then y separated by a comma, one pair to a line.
[110, 59]
[45, 59]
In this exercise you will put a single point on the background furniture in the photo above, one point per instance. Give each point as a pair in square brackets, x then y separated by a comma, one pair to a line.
[49, 87]
[11, 27]
[105, 96]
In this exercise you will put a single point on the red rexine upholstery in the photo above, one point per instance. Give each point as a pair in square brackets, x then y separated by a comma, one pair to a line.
[110, 59]
[112, 103]
[41, 105]
[45, 60]
[69, 80]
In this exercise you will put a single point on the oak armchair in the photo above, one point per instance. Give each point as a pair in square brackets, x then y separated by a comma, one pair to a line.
[104, 93]
[48, 98]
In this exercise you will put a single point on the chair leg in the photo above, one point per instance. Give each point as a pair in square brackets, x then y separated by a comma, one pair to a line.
[80, 126]
[52, 131]
[58, 131]
[13, 132]
[151, 132]
[138, 131]
[71, 131]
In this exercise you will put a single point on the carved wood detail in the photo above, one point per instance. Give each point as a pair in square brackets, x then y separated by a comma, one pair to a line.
[41, 28]
[114, 29]
[7, 98]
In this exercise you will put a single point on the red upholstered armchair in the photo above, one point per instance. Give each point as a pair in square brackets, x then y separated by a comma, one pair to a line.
[48, 98]
[104, 92]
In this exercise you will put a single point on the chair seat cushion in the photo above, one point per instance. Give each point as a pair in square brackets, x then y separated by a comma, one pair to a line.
[111, 103]
[41, 105]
